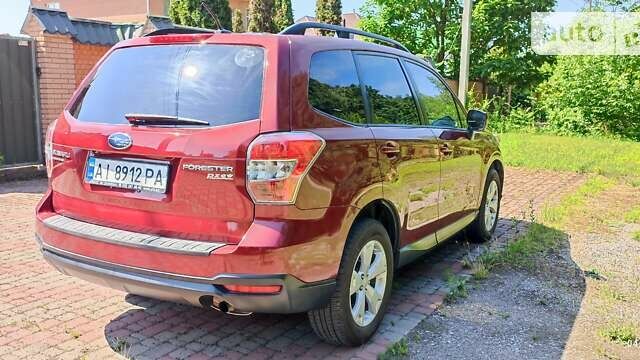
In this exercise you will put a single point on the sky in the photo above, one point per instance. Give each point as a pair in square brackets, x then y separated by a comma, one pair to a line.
[12, 12]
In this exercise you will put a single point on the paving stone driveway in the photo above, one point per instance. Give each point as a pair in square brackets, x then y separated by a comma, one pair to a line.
[44, 314]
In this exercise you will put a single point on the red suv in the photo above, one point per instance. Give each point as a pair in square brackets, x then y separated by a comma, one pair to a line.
[264, 173]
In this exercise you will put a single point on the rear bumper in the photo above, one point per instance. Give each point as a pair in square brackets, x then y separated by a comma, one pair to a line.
[295, 296]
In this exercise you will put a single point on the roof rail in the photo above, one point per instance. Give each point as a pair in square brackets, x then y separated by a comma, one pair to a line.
[185, 30]
[341, 31]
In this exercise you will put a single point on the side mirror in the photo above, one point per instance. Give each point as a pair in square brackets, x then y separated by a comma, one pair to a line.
[477, 120]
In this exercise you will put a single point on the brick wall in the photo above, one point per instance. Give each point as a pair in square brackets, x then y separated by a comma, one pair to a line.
[63, 64]
[57, 75]
[85, 57]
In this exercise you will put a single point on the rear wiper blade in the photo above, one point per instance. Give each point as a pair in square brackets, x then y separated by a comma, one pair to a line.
[148, 119]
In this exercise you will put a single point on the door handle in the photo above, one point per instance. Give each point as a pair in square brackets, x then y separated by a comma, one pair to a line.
[390, 148]
[446, 150]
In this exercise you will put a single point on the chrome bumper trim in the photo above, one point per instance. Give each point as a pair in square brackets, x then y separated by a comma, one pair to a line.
[129, 238]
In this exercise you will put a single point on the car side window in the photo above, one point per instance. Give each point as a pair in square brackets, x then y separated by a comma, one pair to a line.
[388, 91]
[334, 87]
[438, 105]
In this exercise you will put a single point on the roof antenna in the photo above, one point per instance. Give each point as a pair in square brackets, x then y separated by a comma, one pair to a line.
[204, 5]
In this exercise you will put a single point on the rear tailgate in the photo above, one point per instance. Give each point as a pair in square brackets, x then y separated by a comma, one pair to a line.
[182, 180]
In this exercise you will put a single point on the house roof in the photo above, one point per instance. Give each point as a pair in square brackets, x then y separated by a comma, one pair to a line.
[83, 30]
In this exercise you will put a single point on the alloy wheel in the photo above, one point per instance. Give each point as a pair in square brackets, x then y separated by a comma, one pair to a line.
[368, 283]
[491, 206]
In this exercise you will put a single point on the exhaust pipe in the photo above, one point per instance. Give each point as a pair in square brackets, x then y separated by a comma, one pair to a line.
[222, 306]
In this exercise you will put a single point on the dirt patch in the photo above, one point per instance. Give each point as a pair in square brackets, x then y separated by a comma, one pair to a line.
[602, 244]
[577, 301]
[524, 314]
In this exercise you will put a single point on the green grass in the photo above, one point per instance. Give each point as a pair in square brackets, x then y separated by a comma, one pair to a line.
[555, 215]
[622, 334]
[633, 216]
[521, 253]
[618, 159]
[480, 271]
[396, 351]
[636, 236]
[611, 294]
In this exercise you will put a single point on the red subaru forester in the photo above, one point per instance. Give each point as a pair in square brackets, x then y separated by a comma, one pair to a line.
[264, 173]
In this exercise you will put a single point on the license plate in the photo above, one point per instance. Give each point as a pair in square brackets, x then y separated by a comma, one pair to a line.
[125, 174]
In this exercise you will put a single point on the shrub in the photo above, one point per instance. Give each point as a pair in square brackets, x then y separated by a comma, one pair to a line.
[501, 117]
[593, 95]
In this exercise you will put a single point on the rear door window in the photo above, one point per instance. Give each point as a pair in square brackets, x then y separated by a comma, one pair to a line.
[388, 91]
[220, 84]
[334, 87]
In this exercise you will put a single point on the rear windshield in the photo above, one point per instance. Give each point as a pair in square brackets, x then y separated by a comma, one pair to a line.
[219, 84]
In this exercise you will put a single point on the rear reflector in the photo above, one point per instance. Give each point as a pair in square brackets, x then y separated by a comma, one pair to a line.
[48, 148]
[254, 289]
[277, 163]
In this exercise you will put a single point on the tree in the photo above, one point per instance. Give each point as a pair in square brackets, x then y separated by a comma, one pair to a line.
[193, 13]
[429, 27]
[237, 25]
[500, 38]
[329, 11]
[261, 16]
[283, 14]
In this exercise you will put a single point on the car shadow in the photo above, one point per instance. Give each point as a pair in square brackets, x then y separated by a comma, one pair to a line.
[153, 329]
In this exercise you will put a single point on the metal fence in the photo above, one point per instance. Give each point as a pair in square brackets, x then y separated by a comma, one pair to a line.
[20, 140]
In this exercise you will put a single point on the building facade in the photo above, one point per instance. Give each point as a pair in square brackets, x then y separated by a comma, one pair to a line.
[120, 11]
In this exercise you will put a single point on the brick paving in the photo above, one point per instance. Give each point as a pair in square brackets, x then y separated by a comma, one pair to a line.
[45, 315]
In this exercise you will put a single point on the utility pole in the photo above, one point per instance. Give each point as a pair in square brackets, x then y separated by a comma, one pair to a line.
[463, 83]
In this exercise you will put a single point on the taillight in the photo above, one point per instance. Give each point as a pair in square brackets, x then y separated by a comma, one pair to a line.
[277, 163]
[48, 148]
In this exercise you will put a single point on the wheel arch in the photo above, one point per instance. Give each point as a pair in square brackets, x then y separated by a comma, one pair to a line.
[383, 211]
[499, 167]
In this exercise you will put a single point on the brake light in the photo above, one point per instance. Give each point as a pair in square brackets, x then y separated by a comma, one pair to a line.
[48, 148]
[179, 38]
[277, 163]
[254, 289]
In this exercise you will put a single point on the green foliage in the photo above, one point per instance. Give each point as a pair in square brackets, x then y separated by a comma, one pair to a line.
[613, 158]
[1, 159]
[397, 350]
[501, 117]
[501, 41]
[501, 35]
[457, 286]
[633, 216]
[593, 95]
[283, 17]
[192, 13]
[329, 11]
[479, 270]
[237, 24]
[622, 334]
[430, 27]
[261, 13]
[539, 239]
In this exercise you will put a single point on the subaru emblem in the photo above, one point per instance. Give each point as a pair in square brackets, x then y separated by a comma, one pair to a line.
[120, 141]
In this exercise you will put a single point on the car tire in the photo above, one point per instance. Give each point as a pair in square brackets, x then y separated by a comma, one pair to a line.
[334, 322]
[480, 231]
